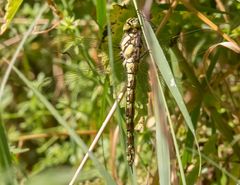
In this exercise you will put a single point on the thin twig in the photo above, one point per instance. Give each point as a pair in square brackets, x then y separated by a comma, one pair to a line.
[50, 134]
[115, 139]
[221, 7]
[104, 124]
[35, 32]
[10, 41]
[28, 21]
[167, 16]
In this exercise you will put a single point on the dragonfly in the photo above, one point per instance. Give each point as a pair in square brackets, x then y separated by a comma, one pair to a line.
[130, 51]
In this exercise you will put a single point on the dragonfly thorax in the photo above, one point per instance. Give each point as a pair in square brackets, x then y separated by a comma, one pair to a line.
[130, 45]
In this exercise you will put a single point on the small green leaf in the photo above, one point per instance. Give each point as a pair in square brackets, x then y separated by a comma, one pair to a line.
[11, 9]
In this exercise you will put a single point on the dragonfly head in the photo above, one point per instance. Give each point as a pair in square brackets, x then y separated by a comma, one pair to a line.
[131, 24]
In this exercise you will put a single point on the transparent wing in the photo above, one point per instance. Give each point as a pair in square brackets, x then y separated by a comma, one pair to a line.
[81, 58]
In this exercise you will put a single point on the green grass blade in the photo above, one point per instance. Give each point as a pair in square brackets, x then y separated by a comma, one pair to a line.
[160, 102]
[158, 56]
[7, 175]
[163, 155]
[60, 176]
[101, 14]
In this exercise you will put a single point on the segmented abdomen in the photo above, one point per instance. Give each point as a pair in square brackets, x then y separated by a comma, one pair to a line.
[130, 51]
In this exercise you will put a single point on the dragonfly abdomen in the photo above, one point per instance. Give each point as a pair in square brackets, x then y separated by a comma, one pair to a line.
[130, 99]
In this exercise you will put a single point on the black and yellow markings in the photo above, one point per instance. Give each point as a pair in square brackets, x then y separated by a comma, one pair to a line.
[130, 52]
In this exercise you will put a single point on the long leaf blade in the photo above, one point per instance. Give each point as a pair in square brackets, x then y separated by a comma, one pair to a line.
[161, 61]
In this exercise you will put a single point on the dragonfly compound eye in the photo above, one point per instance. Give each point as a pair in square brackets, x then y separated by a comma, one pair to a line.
[131, 24]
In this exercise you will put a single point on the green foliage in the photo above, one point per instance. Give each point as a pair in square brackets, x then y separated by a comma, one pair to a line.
[62, 89]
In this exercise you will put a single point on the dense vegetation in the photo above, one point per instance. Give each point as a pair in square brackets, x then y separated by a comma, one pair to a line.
[68, 73]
